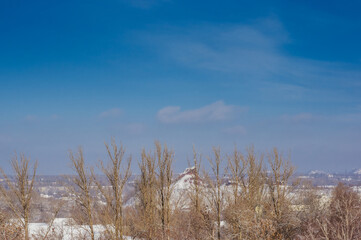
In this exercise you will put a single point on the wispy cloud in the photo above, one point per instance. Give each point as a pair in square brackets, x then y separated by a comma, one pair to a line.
[216, 111]
[237, 48]
[114, 112]
[252, 52]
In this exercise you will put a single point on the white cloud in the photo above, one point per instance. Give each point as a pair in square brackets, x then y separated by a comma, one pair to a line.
[216, 111]
[235, 130]
[239, 48]
[253, 52]
[114, 112]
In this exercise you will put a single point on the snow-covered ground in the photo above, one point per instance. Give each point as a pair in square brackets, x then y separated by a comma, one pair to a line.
[63, 227]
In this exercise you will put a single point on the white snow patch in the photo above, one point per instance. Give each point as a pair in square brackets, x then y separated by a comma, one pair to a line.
[65, 227]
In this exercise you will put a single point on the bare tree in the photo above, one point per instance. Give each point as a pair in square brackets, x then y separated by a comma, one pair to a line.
[340, 220]
[116, 178]
[237, 167]
[311, 211]
[164, 186]
[216, 195]
[154, 193]
[18, 196]
[279, 198]
[244, 212]
[253, 186]
[147, 205]
[345, 208]
[9, 230]
[197, 186]
[81, 189]
[196, 205]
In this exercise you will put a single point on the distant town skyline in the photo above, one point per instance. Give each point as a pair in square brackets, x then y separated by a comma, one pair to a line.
[187, 73]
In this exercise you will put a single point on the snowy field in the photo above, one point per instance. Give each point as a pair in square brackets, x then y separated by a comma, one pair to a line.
[63, 228]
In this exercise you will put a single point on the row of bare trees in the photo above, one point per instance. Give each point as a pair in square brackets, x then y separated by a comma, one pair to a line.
[17, 201]
[241, 196]
[85, 188]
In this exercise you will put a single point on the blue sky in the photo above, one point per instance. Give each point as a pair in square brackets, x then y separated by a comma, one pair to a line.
[283, 74]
